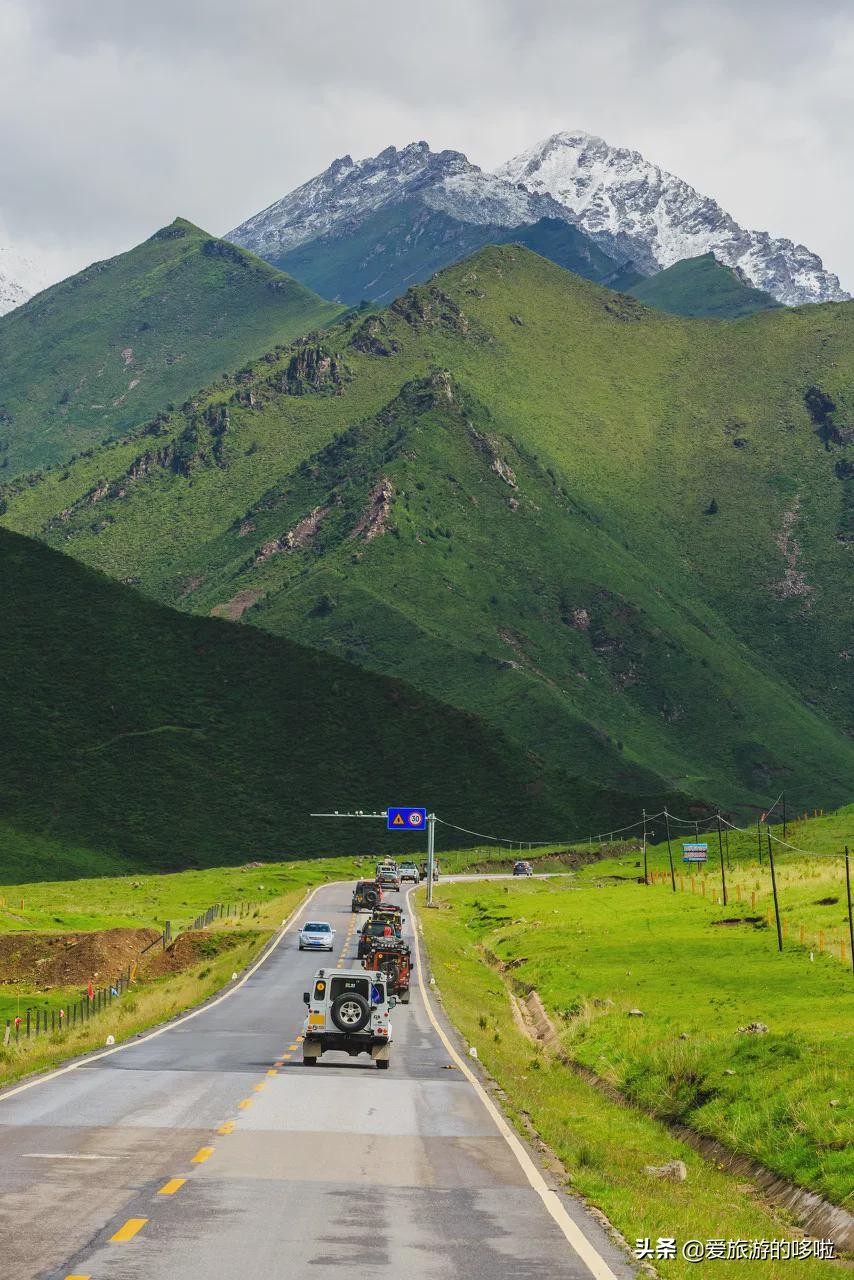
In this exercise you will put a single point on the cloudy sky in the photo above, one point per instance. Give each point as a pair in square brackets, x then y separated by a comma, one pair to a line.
[116, 115]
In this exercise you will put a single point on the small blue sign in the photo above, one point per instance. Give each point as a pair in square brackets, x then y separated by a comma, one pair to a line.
[696, 852]
[406, 819]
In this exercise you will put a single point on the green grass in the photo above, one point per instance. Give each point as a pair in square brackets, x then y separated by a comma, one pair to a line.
[137, 737]
[94, 357]
[702, 287]
[627, 609]
[145, 900]
[604, 1147]
[767, 1096]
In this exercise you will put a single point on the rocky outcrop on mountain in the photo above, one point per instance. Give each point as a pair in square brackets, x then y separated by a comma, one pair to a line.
[635, 210]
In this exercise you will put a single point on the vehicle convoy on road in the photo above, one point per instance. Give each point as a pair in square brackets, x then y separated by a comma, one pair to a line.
[316, 935]
[348, 1012]
[366, 895]
[392, 957]
[409, 871]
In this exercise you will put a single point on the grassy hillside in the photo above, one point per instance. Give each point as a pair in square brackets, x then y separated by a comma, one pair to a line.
[621, 537]
[702, 287]
[407, 243]
[93, 357]
[137, 736]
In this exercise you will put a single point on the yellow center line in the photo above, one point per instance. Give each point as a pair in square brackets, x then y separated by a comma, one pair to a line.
[291, 1048]
[286, 1057]
[203, 1154]
[272, 1072]
[128, 1231]
[228, 1127]
[300, 1039]
[258, 1087]
[247, 1102]
[78, 1278]
[169, 1188]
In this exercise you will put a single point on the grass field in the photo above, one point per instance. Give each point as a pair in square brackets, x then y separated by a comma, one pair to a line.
[593, 952]
[809, 866]
[604, 1146]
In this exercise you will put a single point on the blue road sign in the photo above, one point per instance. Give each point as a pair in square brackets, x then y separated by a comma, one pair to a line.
[695, 852]
[406, 819]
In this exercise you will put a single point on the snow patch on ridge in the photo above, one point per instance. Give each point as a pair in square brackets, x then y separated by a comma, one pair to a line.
[348, 192]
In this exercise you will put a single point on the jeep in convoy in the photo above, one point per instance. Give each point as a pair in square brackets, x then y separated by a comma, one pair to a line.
[376, 929]
[388, 877]
[348, 1012]
[366, 895]
[392, 957]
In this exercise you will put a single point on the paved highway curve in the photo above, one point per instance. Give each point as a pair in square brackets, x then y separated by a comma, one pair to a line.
[206, 1149]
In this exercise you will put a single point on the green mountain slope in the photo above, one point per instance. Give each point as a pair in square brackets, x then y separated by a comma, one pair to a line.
[621, 537]
[151, 738]
[408, 242]
[95, 356]
[701, 287]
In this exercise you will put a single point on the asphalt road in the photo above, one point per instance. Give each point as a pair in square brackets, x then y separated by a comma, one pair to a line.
[207, 1150]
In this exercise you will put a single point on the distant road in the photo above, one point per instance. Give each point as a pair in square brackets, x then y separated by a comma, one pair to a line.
[190, 1154]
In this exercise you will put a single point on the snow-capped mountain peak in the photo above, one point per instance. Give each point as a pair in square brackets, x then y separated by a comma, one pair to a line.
[349, 191]
[633, 209]
[20, 278]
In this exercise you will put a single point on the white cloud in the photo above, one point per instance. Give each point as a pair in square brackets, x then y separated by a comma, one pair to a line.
[115, 116]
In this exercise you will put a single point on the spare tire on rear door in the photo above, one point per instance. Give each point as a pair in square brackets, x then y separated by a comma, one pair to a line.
[350, 1012]
[372, 897]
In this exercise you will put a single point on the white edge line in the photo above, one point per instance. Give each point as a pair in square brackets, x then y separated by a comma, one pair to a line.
[170, 1026]
[555, 1207]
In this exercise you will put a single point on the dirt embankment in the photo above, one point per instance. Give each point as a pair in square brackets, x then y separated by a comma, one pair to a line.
[190, 948]
[48, 960]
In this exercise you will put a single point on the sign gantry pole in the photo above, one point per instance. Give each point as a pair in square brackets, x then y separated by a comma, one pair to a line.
[431, 855]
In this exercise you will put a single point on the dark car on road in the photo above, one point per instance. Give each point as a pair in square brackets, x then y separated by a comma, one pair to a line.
[366, 895]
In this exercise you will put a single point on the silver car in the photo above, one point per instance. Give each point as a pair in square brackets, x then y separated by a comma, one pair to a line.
[316, 935]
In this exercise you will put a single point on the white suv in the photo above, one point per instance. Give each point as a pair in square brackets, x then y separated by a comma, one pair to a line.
[348, 1012]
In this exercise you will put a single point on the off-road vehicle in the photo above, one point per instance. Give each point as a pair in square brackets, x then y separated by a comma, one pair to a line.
[376, 929]
[348, 1012]
[388, 878]
[366, 895]
[392, 957]
[408, 871]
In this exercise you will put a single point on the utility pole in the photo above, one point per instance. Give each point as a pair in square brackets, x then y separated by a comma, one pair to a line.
[784, 816]
[850, 918]
[721, 852]
[774, 891]
[669, 848]
[645, 876]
